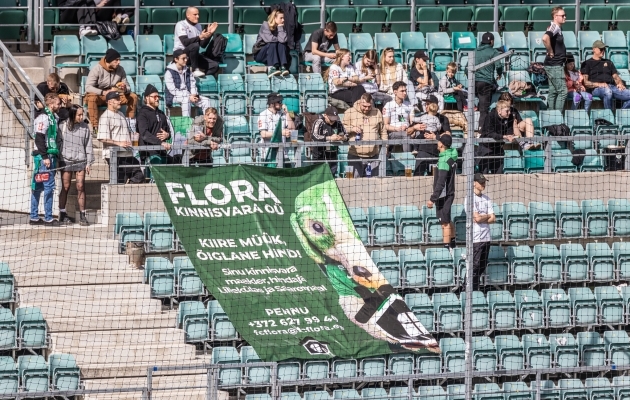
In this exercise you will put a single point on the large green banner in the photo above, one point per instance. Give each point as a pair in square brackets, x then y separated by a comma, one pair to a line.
[278, 250]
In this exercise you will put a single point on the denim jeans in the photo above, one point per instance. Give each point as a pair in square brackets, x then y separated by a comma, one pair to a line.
[607, 94]
[577, 97]
[557, 88]
[48, 187]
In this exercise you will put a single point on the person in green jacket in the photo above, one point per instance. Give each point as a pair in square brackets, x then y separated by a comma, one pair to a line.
[485, 83]
[444, 189]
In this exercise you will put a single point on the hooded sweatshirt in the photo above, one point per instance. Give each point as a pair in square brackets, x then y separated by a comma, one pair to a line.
[372, 126]
[444, 179]
[488, 73]
[178, 83]
[102, 78]
[149, 122]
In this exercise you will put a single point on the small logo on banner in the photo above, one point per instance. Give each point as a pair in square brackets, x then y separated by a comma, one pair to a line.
[315, 347]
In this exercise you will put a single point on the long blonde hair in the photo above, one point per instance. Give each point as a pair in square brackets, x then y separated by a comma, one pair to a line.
[271, 20]
[387, 76]
[370, 55]
[339, 55]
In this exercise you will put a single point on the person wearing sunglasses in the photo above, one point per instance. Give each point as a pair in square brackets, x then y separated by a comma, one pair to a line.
[153, 125]
[555, 59]
[181, 86]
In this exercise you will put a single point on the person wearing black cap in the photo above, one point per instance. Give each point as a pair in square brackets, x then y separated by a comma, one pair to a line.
[328, 128]
[433, 126]
[106, 77]
[181, 86]
[602, 79]
[485, 83]
[553, 40]
[444, 190]
[152, 123]
[483, 215]
[422, 80]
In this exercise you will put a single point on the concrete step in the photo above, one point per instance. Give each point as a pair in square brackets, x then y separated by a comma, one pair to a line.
[119, 322]
[116, 338]
[137, 369]
[101, 308]
[154, 353]
[78, 278]
[70, 262]
[197, 394]
[129, 292]
[19, 240]
[157, 382]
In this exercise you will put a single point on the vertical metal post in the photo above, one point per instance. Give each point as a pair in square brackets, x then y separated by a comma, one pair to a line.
[210, 386]
[29, 22]
[495, 16]
[34, 27]
[469, 172]
[547, 143]
[412, 27]
[577, 17]
[275, 393]
[136, 25]
[322, 14]
[382, 158]
[231, 16]
[27, 153]
[149, 382]
[113, 168]
[6, 74]
[41, 27]
[280, 156]
[537, 385]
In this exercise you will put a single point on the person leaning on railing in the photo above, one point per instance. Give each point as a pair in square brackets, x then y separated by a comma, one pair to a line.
[53, 84]
[206, 130]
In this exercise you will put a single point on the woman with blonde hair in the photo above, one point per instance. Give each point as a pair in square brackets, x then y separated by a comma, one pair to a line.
[344, 81]
[369, 67]
[271, 46]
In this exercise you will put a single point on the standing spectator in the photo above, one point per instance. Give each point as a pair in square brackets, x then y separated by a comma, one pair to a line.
[497, 126]
[575, 85]
[554, 61]
[601, 77]
[77, 156]
[181, 87]
[152, 123]
[522, 127]
[206, 130]
[450, 86]
[483, 215]
[397, 115]
[444, 190]
[421, 78]
[45, 159]
[268, 120]
[318, 44]
[328, 128]
[271, 46]
[191, 37]
[432, 126]
[53, 84]
[485, 83]
[368, 67]
[113, 131]
[364, 122]
[108, 77]
[344, 82]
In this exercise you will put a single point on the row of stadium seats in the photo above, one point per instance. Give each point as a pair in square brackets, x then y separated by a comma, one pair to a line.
[176, 279]
[26, 330]
[201, 324]
[34, 374]
[155, 230]
[8, 290]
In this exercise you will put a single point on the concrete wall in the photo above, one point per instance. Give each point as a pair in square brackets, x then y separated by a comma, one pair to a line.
[399, 190]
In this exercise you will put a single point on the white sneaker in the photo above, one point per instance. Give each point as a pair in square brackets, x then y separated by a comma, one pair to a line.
[125, 19]
[198, 73]
[529, 145]
[117, 19]
[87, 31]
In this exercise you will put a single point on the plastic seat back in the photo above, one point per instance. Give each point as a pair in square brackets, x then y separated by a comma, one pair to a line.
[227, 355]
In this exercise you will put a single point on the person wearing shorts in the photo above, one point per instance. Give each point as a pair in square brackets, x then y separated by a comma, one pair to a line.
[444, 190]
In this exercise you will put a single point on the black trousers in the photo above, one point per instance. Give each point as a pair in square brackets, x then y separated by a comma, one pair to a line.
[480, 261]
[128, 169]
[274, 54]
[484, 93]
[87, 13]
[359, 166]
[425, 151]
[202, 61]
[461, 98]
[349, 95]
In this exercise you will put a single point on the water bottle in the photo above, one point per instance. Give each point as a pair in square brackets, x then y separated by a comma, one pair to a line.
[368, 170]
[357, 138]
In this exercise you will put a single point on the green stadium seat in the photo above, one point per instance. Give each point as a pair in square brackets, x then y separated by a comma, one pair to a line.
[617, 50]
[496, 229]
[548, 263]
[557, 307]
[585, 42]
[372, 19]
[621, 384]
[601, 261]
[502, 310]
[516, 41]
[192, 317]
[8, 292]
[289, 370]
[453, 354]
[440, 265]
[163, 20]
[318, 395]
[543, 220]
[486, 391]
[619, 216]
[345, 17]
[550, 117]
[399, 19]
[458, 217]
[517, 391]
[484, 356]
[31, 328]
[440, 52]
[9, 378]
[497, 269]
[569, 216]
[260, 396]
[621, 253]
[564, 350]
[159, 231]
[400, 364]
[14, 22]
[429, 18]
[33, 372]
[561, 161]
[130, 228]
[548, 390]
[358, 44]
[515, 16]
[257, 87]
[583, 306]
[458, 19]
[289, 88]
[410, 42]
[409, 224]
[360, 221]
[537, 351]
[572, 389]
[541, 17]
[428, 363]
[384, 40]
[602, 130]
[344, 368]
[599, 388]
[227, 355]
[248, 46]
[68, 48]
[313, 92]
[128, 56]
[617, 346]
[521, 262]
[529, 309]
[592, 349]
[150, 54]
[575, 262]
[376, 366]
[516, 220]
[93, 48]
[234, 56]
[480, 313]
[622, 18]
[387, 262]
[599, 17]
[316, 369]
[432, 228]
[456, 392]
[8, 330]
[536, 46]
[235, 129]
[448, 312]
[382, 225]
[159, 274]
[346, 394]
[610, 305]
[513, 162]
[427, 393]
[534, 160]
[463, 43]
[459, 264]
[221, 16]
[188, 281]
[484, 20]
[593, 162]
[232, 91]
[414, 268]
[509, 352]
[580, 124]
[251, 17]
[254, 375]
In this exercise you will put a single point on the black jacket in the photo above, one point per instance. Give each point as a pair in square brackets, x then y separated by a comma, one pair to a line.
[148, 123]
[494, 127]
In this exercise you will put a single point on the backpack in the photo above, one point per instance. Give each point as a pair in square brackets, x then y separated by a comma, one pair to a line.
[539, 75]
[219, 43]
[559, 130]
[108, 29]
[309, 121]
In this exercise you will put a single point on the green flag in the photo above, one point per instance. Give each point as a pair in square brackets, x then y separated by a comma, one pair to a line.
[278, 250]
[272, 152]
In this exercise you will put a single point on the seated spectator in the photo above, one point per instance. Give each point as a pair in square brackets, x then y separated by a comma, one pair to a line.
[368, 67]
[522, 127]
[391, 71]
[485, 82]
[431, 126]
[53, 84]
[46, 159]
[328, 128]
[108, 77]
[88, 12]
[344, 82]
[113, 131]
[153, 125]
[450, 86]
[190, 37]
[275, 113]
[316, 49]
[181, 87]
[397, 115]
[76, 157]
[575, 85]
[601, 78]
[271, 46]
[496, 126]
[206, 130]
[364, 122]
[422, 80]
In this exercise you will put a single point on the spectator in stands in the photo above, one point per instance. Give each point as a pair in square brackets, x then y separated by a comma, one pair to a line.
[554, 61]
[601, 77]
[316, 49]
[53, 84]
[76, 157]
[328, 128]
[275, 113]
[522, 127]
[271, 46]
[497, 126]
[152, 123]
[369, 68]
[113, 131]
[108, 77]
[364, 122]
[485, 83]
[450, 86]
[397, 116]
[88, 12]
[421, 78]
[575, 85]
[432, 126]
[444, 190]
[344, 82]
[390, 71]
[191, 37]
[206, 130]
[181, 87]
[483, 215]
[46, 159]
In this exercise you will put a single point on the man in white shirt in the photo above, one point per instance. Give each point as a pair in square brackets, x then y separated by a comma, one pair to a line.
[190, 37]
[181, 86]
[483, 215]
[113, 131]
[397, 115]
[268, 119]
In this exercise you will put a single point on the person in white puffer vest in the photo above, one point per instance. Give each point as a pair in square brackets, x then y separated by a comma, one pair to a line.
[181, 87]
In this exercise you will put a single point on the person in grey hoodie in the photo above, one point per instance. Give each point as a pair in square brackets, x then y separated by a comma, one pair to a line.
[271, 46]
[485, 83]
[76, 156]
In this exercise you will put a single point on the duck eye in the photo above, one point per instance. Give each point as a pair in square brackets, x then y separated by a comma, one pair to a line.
[317, 228]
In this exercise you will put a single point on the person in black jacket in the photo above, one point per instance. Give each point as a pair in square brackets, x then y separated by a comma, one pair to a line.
[53, 84]
[496, 126]
[152, 124]
[328, 128]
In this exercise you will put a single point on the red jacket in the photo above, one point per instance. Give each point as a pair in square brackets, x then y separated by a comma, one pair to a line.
[571, 87]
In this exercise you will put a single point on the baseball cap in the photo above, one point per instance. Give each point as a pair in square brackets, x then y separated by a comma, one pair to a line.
[479, 177]
[421, 54]
[273, 98]
[487, 38]
[331, 113]
[598, 44]
[431, 99]
[112, 95]
[446, 140]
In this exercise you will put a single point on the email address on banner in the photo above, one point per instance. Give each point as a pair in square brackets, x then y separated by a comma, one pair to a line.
[297, 330]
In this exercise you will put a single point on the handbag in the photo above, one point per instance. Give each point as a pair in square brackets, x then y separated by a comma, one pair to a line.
[257, 47]
[42, 177]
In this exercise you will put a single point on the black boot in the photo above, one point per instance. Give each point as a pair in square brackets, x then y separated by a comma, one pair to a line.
[64, 219]
[82, 220]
